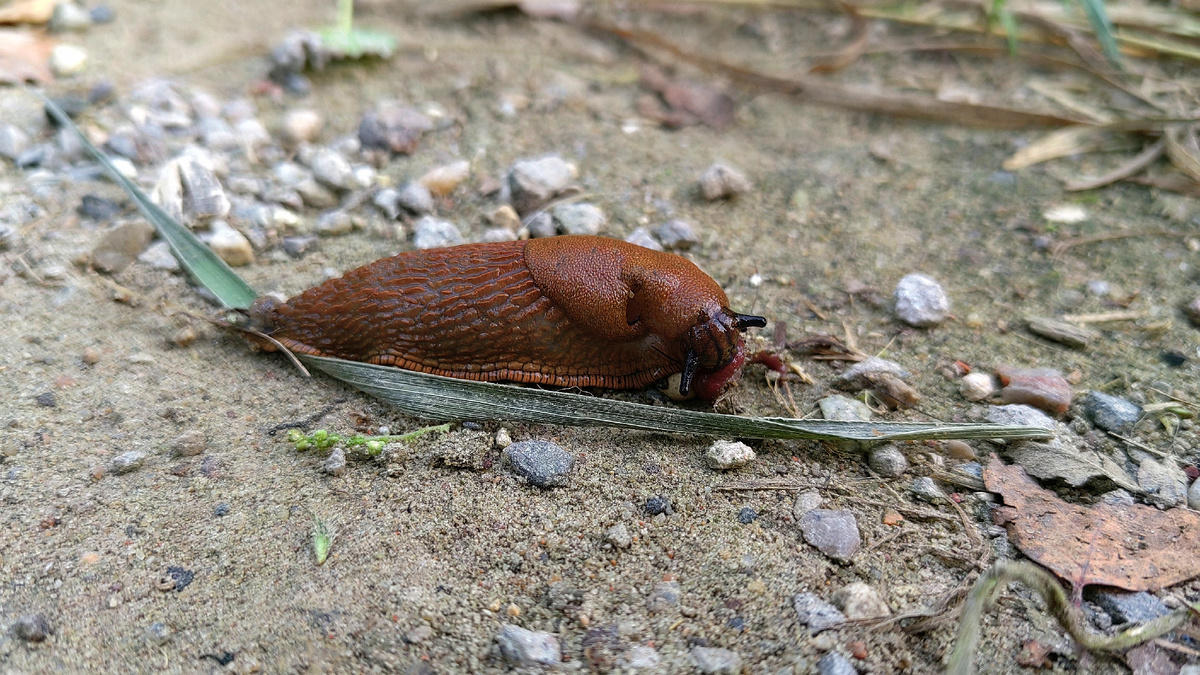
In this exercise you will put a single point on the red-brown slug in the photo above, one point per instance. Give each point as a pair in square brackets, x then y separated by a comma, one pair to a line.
[568, 311]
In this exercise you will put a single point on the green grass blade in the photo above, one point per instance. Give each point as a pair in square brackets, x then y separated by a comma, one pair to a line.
[199, 260]
[443, 398]
[1098, 16]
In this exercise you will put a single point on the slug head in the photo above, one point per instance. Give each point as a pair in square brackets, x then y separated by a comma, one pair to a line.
[715, 344]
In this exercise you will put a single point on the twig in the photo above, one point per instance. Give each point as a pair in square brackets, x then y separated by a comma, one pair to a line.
[1061, 247]
[1105, 317]
[1144, 159]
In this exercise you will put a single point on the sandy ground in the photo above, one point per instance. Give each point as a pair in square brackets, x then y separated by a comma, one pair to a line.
[460, 551]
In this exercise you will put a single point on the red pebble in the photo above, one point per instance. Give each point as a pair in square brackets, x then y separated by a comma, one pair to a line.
[1191, 472]
[858, 649]
[1043, 388]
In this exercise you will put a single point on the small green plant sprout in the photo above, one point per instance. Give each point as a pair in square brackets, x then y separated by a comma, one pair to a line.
[323, 440]
[343, 40]
[322, 540]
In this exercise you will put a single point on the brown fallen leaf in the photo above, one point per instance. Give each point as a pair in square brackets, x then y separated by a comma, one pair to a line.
[687, 103]
[24, 57]
[28, 11]
[1137, 548]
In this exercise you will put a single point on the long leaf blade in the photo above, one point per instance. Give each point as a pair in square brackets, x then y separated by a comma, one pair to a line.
[201, 263]
[436, 397]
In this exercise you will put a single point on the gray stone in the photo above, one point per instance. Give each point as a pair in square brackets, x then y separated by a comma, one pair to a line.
[815, 613]
[1126, 607]
[1111, 413]
[976, 386]
[415, 198]
[232, 246]
[121, 245]
[332, 169]
[642, 237]
[542, 463]
[716, 661]
[834, 663]
[579, 218]
[860, 601]
[526, 648]
[720, 181]
[302, 126]
[158, 255]
[533, 182]
[618, 536]
[252, 134]
[495, 234]
[888, 461]
[335, 464]
[725, 455]
[861, 375]
[127, 462]
[844, 409]
[834, 533]
[69, 16]
[677, 234]
[805, 502]
[313, 194]
[298, 246]
[430, 232]
[664, 596]
[1163, 483]
[217, 134]
[921, 301]
[159, 633]
[1018, 413]
[189, 444]
[188, 189]
[925, 489]
[32, 627]
[388, 202]
[334, 224]
[68, 60]
[541, 224]
[13, 141]
[1193, 496]
[640, 658]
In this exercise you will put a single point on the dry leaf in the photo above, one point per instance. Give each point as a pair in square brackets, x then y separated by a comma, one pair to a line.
[1137, 547]
[686, 103]
[1059, 459]
[1061, 143]
[28, 11]
[24, 57]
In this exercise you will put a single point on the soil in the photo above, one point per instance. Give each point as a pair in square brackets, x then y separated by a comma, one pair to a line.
[429, 560]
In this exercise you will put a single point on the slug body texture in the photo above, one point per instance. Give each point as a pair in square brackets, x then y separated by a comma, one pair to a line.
[567, 311]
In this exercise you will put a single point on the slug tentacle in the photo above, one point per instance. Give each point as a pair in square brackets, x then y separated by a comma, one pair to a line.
[567, 311]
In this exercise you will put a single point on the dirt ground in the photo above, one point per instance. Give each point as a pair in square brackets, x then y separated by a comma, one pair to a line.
[844, 204]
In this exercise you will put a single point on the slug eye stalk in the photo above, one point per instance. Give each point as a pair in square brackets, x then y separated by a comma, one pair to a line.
[745, 321]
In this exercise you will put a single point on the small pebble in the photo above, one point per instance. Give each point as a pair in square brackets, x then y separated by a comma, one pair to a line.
[221, 510]
[502, 439]
[921, 301]
[815, 613]
[1019, 414]
[331, 169]
[579, 218]
[664, 596]
[189, 444]
[231, 245]
[1163, 484]
[925, 489]
[1125, 606]
[541, 224]
[533, 182]
[393, 128]
[505, 216]
[1043, 388]
[977, 386]
[725, 455]
[302, 126]
[443, 180]
[101, 14]
[888, 461]
[862, 374]
[430, 232]
[298, 246]
[334, 224]
[542, 463]
[32, 627]
[747, 515]
[860, 601]
[1099, 287]
[1111, 413]
[844, 409]
[959, 450]
[834, 533]
[158, 633]
[68, 60]
[415, 197]
[618, 536]
[252, 134]
[677, 235]
[641, 657]
[1076, 337]
[91, 356]
[99, 209]
[495, 234]
[720, 181]
[716, 661]
[121, 245]
[1192, 310]
[834, 663]
[1065, 213]
[420, 634]
[642, 237]
[13, 141]
[657, 505]
[805, 502]
[335, 464]
[47, 400]
[69, 16]
[1193, 496]
[526, 648]
[127, 462]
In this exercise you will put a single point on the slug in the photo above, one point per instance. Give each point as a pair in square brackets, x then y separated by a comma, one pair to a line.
[570, 311]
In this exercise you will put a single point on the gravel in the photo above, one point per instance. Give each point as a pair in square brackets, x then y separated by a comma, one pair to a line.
[834, 533]
[542, 463]
[921, 301]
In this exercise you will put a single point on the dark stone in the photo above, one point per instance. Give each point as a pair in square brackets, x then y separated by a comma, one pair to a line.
[1111, 413]
[183, 577]
[834, 663]
[221, 509]
[1126, 607]
[542, 463]
[73, 105]
[102, 14]
[656, 505]
[98, 208]
[32, 627]
[1173, 358]
[747, 515]
[47, 399]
